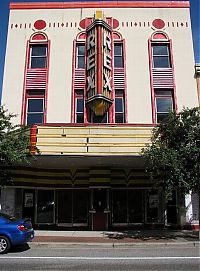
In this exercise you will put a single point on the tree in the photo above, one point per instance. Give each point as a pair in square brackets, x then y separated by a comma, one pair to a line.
[14, 145]
[173, 157]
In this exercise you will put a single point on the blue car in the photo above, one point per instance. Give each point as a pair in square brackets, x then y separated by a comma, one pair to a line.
[14, 232]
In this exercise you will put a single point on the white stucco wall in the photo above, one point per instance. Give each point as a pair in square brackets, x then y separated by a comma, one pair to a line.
[137, 61]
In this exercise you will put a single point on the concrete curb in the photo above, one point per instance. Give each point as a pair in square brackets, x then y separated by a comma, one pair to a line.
[110, 244]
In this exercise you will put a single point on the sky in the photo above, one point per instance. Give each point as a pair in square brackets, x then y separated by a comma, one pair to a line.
[4, 13]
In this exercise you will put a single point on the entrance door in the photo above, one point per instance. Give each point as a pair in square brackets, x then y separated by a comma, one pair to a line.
[100, 209]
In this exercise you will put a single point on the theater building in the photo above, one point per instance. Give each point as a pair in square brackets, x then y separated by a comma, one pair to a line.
[92, 79]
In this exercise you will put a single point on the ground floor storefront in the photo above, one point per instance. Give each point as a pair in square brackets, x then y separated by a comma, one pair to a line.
[94, 208]
[93, 193]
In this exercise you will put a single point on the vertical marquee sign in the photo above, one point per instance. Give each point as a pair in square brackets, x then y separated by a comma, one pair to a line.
[99, 65]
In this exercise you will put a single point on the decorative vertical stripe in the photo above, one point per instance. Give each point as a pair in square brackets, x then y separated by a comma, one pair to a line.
[36, 79]
[33, 139]
[119, 78]
[162, 78]
[79, 79]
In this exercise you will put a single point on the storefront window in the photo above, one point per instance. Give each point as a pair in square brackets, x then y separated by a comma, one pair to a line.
[64, 206]
[152, 206]
[136, 206]
[45, 206]
[119, 206]
[80, 208]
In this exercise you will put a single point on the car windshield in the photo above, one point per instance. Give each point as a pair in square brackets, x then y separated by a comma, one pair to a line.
[11, 218]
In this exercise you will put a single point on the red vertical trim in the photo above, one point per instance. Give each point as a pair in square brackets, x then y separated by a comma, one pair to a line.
[23, 108]
[99, 60]
[73, 90]
[33, 139]
[111, 116]
[125, 83]
[173, 71]
[151, 83]
[47, 83]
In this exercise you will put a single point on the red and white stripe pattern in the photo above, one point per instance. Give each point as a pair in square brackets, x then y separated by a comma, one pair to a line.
[36, 79]
[119, 78]
[79, 79]
[163, 78]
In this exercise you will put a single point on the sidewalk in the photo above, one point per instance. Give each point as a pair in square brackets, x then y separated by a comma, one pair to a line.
[113, 237]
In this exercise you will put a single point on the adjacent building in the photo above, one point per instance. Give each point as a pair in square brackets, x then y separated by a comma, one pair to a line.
[92, 79]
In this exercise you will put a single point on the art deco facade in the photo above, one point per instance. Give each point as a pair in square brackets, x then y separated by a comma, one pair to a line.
[92, 79]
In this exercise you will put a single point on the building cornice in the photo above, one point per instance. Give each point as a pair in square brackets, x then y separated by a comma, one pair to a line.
[100, 4]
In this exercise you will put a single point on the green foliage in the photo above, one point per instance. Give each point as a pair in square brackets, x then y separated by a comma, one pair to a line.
[173, 158]
[14, 144]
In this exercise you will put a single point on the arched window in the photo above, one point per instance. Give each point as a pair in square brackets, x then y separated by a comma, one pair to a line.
[38, 51]
[119, 79]
[162, 76]
[36, 74]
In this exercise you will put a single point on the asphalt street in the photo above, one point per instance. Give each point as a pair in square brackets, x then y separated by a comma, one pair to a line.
[103, 257]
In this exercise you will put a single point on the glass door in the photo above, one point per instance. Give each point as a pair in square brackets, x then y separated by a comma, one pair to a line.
[72, 207]
[64, 207]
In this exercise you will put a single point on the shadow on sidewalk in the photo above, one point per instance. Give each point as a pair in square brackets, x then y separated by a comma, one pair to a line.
[151, 235]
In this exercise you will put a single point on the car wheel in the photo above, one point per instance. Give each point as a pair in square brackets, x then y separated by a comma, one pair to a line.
[4, 244]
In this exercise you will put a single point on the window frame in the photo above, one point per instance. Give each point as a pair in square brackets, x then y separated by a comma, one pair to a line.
[163, 96]
[35, 96]
[31, 57]
[121, 55]
[78, 57]
[79, 94]
[168, 55]
[119, 94]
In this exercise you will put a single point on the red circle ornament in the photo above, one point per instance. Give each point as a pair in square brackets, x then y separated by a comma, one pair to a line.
[40, 24]
[115, 23]
[158, 23]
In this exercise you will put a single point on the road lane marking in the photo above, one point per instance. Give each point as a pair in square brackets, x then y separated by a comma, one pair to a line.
[103, 258]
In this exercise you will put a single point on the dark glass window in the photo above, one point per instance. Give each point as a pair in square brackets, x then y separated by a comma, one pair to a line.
[161, 56]
[119, 106]
[80, 206]
[79, 106]
[152, 206]
[38, 56]
[45, 206]
[80, 63]
[119, 198]
[118, 55]
[135, 206]
[164, 103]
[79, 110]
[35, 110]
[64, 209]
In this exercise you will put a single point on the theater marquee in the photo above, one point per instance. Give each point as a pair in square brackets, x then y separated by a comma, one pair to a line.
[99, 65]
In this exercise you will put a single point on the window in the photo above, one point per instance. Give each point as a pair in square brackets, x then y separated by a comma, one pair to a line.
[161, 56]
[118, 55]
[35, 107]
[38, 56]
[79, 107]
[119, 106]
[119, 198]
[164, 103]
[80, 53]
